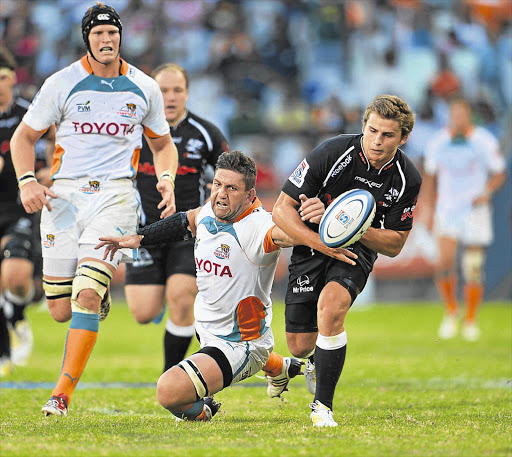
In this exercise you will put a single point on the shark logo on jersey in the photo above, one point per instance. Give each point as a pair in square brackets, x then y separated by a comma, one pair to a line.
[222, 252]
[144, 259]
[109, 84]
[50, 241]
[298, 176]
[128, 111]
[390, 196]
[84, 107]
[194, 146]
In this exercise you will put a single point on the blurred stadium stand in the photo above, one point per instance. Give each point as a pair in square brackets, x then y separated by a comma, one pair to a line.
[280, 76]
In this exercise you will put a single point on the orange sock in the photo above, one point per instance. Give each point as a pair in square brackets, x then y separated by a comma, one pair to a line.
[274, 364]
[447, 287]
[473, 295]
[82, 334]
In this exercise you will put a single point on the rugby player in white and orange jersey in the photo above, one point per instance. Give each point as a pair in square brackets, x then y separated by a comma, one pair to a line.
[101, 106]
[236, 251]
[464, 168]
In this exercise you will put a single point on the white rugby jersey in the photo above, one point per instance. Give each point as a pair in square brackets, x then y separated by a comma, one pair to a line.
[462, 166]
[235, 266]
[100, 121]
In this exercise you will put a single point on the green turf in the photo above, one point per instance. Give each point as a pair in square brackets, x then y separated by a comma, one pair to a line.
[402, 393]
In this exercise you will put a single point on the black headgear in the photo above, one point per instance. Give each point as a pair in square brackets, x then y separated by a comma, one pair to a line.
[99, 14]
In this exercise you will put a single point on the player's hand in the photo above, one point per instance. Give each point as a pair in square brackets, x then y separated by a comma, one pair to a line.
[166, 189]
[33, 197]
[43, 176]
[114, 243]
[342, 254]
[311, 209]
[482, 199]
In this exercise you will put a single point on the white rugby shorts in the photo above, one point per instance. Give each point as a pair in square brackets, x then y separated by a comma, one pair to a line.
[85, 210]
[245, 357]
[472, 228]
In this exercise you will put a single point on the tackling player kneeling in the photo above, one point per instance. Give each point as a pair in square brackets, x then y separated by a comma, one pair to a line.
[236, 252]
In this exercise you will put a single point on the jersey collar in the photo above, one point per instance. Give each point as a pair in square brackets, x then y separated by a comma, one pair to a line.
[384, 167]
[175, 126]
[255, 204]
[85, 63]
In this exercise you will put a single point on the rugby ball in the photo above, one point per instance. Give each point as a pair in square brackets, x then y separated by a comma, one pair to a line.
[347, 218]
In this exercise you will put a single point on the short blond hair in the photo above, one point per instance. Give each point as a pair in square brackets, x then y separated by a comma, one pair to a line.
[392, 107]
[170, 66]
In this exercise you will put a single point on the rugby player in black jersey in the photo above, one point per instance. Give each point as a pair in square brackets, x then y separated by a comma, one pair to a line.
[166, 273]
[324, 282]
[20, 248]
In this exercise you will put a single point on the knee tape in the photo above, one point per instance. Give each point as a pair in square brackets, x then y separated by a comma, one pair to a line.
[196, 377]
[91, 275]
[54, 289]
[472, 263]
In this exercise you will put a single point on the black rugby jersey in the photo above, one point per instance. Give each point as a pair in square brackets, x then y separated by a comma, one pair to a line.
[9, 121]
[339, 164]
[199, 143]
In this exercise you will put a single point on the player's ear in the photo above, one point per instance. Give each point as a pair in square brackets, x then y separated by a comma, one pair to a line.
[251, 194]
[404, 139]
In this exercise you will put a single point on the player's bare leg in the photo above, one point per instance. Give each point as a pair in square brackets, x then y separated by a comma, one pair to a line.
[181, 291]
[446, 282]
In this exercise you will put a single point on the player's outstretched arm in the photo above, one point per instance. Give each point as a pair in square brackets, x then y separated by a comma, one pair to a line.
[114, 243]
[32, 194]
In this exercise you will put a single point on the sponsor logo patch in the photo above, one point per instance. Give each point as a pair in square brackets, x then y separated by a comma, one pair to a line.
[298, 176]
[84, 107]
[369, 183]
[302, 285]
[342, 165]
[408, 213]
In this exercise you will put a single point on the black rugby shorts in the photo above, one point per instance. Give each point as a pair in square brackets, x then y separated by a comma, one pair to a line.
[157, 263]
[309, 273]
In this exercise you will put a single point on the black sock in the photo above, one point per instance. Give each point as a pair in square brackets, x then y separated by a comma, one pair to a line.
[329, 365]
[16, 306]
[175, 348]
[5, 342]
[18, 313]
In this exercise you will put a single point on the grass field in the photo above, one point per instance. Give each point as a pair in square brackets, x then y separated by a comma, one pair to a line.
[402, 393]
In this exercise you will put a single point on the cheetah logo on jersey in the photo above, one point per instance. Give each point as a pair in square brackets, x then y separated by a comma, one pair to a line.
[92, 187]
[222, 252]
[128, 111]
[50, 241]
